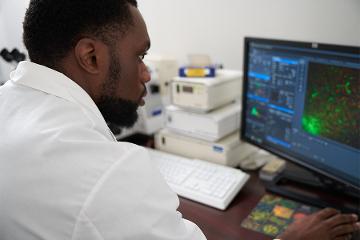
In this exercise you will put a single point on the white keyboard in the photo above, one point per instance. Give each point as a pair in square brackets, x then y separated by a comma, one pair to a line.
[208, 183]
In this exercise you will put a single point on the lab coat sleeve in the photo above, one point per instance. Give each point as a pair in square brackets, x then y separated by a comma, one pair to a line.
[132, 201]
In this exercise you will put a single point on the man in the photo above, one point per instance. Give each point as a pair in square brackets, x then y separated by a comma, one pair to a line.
[63, 175]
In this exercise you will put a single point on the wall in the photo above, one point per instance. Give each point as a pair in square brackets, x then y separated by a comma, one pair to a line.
[180, 27]
[217, 28]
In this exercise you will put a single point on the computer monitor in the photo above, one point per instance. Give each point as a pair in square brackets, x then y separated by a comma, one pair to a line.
[301, 101]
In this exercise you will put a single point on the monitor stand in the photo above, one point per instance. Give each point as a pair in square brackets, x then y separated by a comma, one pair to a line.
[300, 184]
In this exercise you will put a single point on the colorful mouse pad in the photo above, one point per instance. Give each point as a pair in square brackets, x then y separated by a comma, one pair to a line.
[273, 214]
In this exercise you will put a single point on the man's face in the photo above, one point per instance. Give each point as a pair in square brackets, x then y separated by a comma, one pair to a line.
[124, 87]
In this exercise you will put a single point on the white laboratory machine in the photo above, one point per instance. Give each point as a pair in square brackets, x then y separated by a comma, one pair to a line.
[162, 69]
[229, 151]
[152, 114]
[206, 94]
[210, 126]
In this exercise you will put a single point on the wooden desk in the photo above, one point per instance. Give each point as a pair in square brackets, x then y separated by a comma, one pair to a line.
[226, 225]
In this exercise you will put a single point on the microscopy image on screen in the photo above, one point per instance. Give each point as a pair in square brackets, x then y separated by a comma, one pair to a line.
[332, 104]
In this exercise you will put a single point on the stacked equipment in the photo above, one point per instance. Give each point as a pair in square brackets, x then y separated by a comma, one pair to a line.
[204, 120]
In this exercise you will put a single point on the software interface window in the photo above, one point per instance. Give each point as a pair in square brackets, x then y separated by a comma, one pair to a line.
[303, 102]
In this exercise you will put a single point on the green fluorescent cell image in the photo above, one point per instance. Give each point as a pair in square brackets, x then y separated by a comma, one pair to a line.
[311, 125]
[332, 104]
[254, 112]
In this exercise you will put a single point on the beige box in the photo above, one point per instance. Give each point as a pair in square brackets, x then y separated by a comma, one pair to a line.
[206, 94]
[210, 126]
[229, 151]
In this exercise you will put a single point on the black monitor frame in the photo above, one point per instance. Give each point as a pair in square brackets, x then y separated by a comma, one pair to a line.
[297, 44]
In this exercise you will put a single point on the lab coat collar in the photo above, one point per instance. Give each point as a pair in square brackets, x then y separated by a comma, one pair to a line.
[52, 82]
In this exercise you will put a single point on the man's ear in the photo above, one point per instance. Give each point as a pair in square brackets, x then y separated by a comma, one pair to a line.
[91, 55]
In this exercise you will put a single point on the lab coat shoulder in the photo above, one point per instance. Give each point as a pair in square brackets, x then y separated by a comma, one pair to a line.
[32, 115]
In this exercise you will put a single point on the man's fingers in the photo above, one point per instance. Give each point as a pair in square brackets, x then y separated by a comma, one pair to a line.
[326, 213]
[341, 219]
[345, 229]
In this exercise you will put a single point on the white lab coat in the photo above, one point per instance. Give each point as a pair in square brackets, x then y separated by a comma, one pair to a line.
[64, 176]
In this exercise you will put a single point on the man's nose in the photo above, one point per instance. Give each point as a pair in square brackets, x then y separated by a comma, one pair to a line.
[145, 74]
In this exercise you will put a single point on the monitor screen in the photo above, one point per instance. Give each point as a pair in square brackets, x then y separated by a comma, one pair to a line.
[301, 101]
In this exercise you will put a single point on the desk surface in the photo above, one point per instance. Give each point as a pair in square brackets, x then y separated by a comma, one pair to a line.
[226, 225]
[219, 225]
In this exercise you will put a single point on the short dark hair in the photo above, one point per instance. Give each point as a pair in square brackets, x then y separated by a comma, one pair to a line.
[53, 27]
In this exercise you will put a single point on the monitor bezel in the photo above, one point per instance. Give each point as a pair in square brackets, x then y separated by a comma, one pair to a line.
[298, 44]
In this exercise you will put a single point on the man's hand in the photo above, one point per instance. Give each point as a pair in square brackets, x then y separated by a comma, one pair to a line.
[327, 224]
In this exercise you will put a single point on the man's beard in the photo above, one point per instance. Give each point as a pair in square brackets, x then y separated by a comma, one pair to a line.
[118, 111]
[115, 110]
